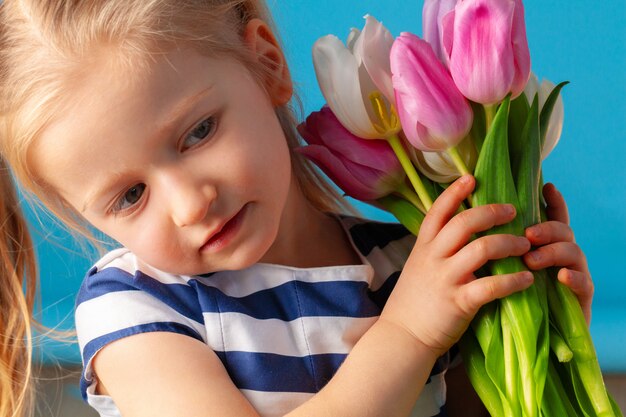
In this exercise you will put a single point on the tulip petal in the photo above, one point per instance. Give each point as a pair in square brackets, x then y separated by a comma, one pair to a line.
[336, 69]
[432, 28]
[439, 166]
[555, 125]
[352, 38]
[342, 176]
[521, 54]
[532, 87]
[376, 46]
[447, 35]
[434, 169]
[323, 128]
[481, 60]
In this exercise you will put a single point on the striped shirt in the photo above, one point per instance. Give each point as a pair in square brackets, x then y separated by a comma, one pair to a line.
[281, 332]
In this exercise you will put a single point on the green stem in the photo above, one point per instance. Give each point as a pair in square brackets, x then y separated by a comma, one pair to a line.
[458, 160]
[459, 164]
[490, 114]
[406, 192]
[474, 361]
[556, 402]
[511, 366]
[559, 347]
[406, 163]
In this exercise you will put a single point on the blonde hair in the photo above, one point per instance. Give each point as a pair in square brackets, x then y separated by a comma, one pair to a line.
[44, 45]
[18, 283]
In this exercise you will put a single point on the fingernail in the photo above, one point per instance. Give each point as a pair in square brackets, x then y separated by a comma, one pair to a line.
[535, 231]
[528, 277]
[510, 209]
[535, 256]
[465, 179]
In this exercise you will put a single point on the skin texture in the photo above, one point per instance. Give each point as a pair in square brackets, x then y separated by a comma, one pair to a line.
[174, 187]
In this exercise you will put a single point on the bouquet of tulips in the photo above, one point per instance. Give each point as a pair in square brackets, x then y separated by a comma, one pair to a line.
[407, 116]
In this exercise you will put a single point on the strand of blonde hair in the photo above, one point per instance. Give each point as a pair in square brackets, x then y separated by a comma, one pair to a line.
[18, 281]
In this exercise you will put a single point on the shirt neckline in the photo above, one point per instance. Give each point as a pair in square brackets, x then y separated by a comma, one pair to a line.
[365, 262]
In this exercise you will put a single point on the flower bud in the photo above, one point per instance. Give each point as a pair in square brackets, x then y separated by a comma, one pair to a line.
[364, 169]
[434, 114]
[486, 44]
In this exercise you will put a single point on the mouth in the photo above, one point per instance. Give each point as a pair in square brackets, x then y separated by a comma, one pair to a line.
[225, 233]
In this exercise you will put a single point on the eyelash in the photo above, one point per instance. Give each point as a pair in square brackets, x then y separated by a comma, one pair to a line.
[212, 126]
[119, 206]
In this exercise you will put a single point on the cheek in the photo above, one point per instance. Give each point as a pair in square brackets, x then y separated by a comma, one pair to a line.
[262, 161]
[147, 237]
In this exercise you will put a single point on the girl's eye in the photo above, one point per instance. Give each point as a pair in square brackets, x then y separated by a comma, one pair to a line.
[130, 198]
[202, 131]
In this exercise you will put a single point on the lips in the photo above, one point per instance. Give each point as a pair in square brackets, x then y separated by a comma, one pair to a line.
[224, 233]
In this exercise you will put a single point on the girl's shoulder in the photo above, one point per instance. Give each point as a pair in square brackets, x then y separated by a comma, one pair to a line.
[121, 271]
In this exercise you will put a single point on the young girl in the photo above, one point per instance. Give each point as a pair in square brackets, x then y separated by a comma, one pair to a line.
[242, 287]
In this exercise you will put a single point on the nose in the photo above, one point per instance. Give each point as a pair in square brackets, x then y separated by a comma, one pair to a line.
[188, 197]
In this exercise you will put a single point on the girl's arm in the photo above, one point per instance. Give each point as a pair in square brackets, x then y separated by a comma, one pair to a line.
[431, 306]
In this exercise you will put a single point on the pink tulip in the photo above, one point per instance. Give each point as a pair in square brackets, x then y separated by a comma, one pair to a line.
[432, 15]
[365, 169]
[486, 44]
[434, 114]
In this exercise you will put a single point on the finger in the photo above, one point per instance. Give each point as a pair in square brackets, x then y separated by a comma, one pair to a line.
[567, 254]
[581, 285]
[549, 232]
[556, 209]
[478, 252]
[457, 232]
[479, 292]
[445, 206]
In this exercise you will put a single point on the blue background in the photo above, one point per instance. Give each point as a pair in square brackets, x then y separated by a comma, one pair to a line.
[580, 41]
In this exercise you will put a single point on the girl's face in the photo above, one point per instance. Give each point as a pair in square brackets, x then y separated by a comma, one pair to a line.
[185, 165]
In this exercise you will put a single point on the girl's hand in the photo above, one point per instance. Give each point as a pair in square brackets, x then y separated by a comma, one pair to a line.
[555, 244]
[437, 293]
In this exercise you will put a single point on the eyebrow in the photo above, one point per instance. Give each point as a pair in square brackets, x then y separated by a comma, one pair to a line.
[167, 125]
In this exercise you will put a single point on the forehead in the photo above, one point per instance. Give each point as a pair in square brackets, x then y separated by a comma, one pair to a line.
[115, 101]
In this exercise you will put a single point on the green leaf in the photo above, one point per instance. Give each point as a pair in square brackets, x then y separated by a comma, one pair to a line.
[559, 347]
[518, 116]
[527, 186]
[616, 410]
[529, 170]
[494, 180]
[474, 362]
[540, 369]
[404, 211]
[567, 316]
[556, 401]
[495, 184]
[546, 110]
[512, 381]
[479, 126]
[581, 395]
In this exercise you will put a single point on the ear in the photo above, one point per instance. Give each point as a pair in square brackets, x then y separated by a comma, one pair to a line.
[265, 49]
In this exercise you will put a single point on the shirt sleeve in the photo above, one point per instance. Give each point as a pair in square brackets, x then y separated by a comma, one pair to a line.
[116, 301]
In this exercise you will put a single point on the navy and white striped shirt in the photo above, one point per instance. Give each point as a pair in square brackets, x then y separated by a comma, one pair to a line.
[281, 332]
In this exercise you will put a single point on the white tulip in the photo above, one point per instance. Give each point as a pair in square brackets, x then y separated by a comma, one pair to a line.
[348, 74]
[439, 166]
[555, 125]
